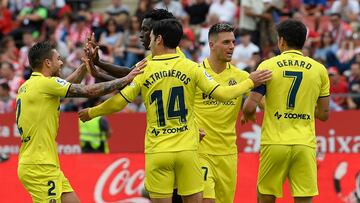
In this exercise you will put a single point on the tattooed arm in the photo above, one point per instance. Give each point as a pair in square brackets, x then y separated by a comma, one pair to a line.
[77, 75]
[99, 89]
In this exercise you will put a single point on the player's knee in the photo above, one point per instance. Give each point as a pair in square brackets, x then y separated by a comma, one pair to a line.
[207, 200]
[194, 198]
[303, 199]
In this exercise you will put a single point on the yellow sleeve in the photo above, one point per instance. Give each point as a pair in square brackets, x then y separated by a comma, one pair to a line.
[225, 93]
[112, 105]
[244, 76]
[56, 86]
[131, 91]
[204, 81]
[325, 83]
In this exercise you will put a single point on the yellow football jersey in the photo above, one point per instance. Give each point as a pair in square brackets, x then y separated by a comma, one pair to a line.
[37, 117]
[218, 119]
[290, 98]
[168, 87]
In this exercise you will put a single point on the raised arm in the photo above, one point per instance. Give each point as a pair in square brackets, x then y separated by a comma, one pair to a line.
[114, 70]
[77, 76]
[99, 89]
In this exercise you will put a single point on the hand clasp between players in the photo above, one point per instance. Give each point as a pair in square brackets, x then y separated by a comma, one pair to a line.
[259, 77]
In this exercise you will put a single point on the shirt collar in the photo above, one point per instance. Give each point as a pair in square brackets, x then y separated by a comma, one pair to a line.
[33, 74]
[293, 51]
[165, 57]
[206, 64]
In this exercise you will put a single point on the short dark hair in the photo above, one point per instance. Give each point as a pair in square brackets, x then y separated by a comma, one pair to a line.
[38, 53]
[170, 30]
[293, 32]
[220, 27]
[159, 14]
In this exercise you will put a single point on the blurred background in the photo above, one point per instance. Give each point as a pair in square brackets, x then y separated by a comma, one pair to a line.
[109, 168]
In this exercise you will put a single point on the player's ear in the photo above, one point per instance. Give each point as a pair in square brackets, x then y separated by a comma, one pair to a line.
[47, 62]
[158, 39]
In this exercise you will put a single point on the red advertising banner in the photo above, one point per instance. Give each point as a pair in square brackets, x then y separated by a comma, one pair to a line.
[119, 178]
[340, 134]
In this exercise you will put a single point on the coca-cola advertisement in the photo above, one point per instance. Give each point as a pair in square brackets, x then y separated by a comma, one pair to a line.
[119, 178]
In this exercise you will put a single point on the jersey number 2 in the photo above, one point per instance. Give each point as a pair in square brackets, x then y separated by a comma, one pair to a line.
[176, 105]
[297, 78]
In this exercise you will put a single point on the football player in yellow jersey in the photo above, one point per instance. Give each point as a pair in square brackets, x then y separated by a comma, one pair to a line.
[218, 150]
[168, 87]
[37, 118]
[297, 94]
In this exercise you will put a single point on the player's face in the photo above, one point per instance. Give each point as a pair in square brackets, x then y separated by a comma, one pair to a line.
[145, 32]
[223, 47]
[56, 63]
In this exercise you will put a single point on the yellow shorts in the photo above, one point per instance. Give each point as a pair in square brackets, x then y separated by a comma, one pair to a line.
[219, 173]
[161, 169]
[45, 183]
[295, 162]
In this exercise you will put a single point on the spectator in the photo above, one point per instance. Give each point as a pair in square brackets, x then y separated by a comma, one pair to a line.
[338, 85]
[172, 6]
[354, 87]
[143, 7]
[344, 56]
[250, 13]
[134, 51]
[112, 35]
[63, 28]
[7, 103]
[118, 11]
[243, 52]
[7, 72]
[312, 7]
[326, 45]
[31, 19]
[6, 23]
[348, 9]
[338, 28]
[224, 9]
[197, 12]
[78, 32]
[28, 41]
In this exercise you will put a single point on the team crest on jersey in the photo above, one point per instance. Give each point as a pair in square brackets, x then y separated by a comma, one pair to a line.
[207, 75]
[232, 82]
[61, 81]
[132, 84]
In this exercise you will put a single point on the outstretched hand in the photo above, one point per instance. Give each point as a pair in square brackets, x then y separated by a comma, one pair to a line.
[84, 115]
[260, 77]
[138, 69]
[92, 48]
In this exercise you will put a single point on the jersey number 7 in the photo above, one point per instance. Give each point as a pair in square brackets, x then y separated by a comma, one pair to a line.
[297, 78]
[176, 99]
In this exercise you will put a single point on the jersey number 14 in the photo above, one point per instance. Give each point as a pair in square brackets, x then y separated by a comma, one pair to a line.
[176, 99]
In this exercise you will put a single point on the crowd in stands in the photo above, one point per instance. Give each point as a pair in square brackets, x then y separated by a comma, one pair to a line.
[333, 37]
